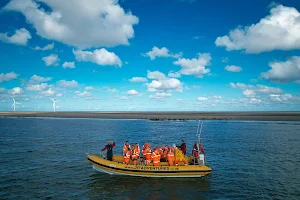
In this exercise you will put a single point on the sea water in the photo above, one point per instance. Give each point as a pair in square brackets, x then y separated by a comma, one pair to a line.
[46, 158]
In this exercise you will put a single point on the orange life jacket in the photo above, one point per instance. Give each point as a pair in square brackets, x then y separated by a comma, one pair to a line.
[135, 153]
[171, 156]
[155, 157]
[148, 154]
[125, 147]
[127, 157]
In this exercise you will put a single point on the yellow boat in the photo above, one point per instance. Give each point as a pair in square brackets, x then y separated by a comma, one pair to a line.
[194, 168]
[117, 167]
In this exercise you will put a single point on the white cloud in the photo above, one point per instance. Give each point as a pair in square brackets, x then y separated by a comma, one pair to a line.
[20, 37]
[41, 88]
[281, 98]
[194, 66]
[251, 101]
[239, 85]
[249, 93]
[172, 74]
[38, 87]
[83, 94]
[162, 83]
[48, 92]
[124, 98]
[98, 56]
[257, 88]
[38, 79]
[163, 52]
[45, 48]
[8, 76]
[88, 88]
[83, 24]
[217, 97]
[180, 100]
[112, 90]
[138, 79]
[68, 65]
[202, 99]
[267, 90]
[160, 95]
[156, 75]
[284, 72]
[232, 68]
[132, 92]
[51, 60]
[67, 84]
[16, 91]
[278, 31]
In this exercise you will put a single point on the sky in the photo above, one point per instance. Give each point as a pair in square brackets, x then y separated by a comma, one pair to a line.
[150, 55]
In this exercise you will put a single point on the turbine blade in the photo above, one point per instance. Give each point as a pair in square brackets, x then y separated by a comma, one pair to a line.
[51, 99]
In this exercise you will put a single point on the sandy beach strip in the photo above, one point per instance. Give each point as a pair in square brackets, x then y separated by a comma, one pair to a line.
[260, 116]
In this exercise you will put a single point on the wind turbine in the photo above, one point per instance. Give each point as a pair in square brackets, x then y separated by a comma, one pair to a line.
[54, 104]
[14, 104]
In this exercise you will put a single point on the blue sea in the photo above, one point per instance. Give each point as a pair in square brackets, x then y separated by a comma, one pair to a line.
[45, 158]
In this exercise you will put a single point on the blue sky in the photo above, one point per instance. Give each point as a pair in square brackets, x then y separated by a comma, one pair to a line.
[150, 55]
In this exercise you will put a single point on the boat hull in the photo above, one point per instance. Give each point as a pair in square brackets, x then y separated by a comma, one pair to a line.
[118, 168]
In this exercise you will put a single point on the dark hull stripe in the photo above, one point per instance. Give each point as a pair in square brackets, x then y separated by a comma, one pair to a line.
[144, 171]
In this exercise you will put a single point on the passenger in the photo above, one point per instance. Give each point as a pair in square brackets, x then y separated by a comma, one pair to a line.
[195, 151]
[135, 154]
[138, 149]
[110, 145]
[165, 153]
[127, 156]
[170, 156]
[125, 147]
[179, 157]
[182, 147]
[148, 154]
[156, 157]
[144, 150]
[161, 152]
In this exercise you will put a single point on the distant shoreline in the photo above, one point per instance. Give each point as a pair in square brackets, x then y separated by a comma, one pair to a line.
[255, 116]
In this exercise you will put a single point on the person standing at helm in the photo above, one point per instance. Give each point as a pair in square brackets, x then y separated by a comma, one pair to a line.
[171, 156]
[127, 156]
[156, 157]
[125, 147]
[179, 157]
[182, 147]
[109, 147]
